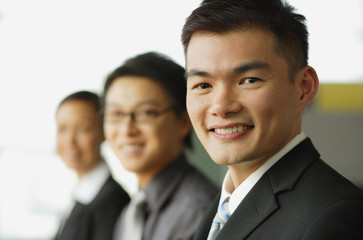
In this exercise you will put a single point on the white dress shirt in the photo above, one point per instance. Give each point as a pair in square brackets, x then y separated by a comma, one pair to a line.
[243, 189]
[87, 188]
[91, 183]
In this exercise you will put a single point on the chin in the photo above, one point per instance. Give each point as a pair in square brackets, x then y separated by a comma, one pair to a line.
[220, 160]
[225, 160]
[130, 165]
[72, 164]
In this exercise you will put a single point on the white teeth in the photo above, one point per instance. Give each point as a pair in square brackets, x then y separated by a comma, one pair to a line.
[231, 129]
[130, 148]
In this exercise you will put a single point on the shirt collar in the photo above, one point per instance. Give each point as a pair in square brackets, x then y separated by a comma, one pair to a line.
[91, 183]
[243, 189]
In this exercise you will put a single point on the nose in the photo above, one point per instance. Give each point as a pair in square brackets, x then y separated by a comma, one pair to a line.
[127, 126]
[225, 102]
[68, 138]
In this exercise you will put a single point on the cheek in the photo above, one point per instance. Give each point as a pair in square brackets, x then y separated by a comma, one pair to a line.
[273, 109]
[89, 142]
[195, 107]
[161, 133]
[263, 108]
[109, 132]
[257, 102]
[60, 142]
[162, 138]
[154, 143]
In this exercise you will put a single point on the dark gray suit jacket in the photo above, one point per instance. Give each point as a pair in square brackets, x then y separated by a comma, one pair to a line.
[96, 220]
[177, 199]
[300, 197]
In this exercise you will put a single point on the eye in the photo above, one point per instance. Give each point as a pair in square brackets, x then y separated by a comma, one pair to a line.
[203, 86]
[114, 113]
[251, 80]
[145, 115]
[149, 113]
[117, 114]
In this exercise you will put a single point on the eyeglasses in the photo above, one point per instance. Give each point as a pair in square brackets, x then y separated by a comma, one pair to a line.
[137, 116]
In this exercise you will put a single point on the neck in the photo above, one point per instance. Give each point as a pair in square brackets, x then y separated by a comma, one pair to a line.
[145, 177]
[240, 172]
[83, 171]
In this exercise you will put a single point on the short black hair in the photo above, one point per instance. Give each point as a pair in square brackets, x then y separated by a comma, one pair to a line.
[86, 96]
[162, 70]
[274, 16]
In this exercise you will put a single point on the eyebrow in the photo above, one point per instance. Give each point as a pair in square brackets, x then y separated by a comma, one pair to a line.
[237, 70]
[251, 66]
[196, 73]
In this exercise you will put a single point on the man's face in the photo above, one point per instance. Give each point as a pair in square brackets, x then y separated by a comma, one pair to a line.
[143, 147]
[241, 101]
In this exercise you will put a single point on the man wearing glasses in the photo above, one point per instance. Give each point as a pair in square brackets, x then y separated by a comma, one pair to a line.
[147, 126]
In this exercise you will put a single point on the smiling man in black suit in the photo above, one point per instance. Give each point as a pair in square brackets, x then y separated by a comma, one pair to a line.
[248, 82]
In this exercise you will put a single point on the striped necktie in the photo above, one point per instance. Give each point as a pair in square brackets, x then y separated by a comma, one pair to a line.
[219, 220]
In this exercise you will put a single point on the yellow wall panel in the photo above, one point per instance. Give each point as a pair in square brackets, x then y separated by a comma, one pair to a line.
[340, 97]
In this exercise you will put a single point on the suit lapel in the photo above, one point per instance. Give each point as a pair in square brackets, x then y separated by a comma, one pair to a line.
[261, 201]
[253, 210]
[72, 224]
[286, 172]
[204, 226]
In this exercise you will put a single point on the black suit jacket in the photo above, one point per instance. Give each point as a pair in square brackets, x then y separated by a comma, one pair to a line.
[300, 197]
[96, 220]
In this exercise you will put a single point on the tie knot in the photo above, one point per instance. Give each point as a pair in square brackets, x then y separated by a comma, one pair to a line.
[219, 220]
[222, 215]
[138, 199]
[223, 211]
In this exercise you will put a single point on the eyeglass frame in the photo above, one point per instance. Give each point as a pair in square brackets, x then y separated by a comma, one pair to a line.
[133, 115]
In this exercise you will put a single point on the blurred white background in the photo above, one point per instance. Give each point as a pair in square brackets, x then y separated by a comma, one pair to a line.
[50, 48]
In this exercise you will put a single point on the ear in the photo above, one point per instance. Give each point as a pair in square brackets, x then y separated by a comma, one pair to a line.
[307, 83]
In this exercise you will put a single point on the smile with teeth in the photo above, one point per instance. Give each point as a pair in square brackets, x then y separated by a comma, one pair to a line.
[71, 154]
[234, 129]
[131, 148]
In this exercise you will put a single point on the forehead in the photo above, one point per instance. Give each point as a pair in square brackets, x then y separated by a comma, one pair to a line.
[132, 90]
[76, 110]
[221, 52]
